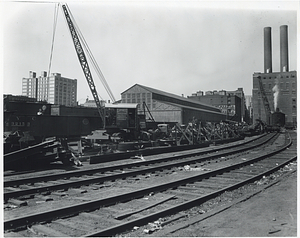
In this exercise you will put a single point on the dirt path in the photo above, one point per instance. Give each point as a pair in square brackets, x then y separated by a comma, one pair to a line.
[273, 212]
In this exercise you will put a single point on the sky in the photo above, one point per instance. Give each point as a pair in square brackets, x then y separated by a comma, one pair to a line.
[175, 46]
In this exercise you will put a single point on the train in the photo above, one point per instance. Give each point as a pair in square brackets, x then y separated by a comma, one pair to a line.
[34, 121]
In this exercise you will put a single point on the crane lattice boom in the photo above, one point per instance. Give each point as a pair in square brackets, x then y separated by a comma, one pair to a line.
[265, 99]
[83, 62]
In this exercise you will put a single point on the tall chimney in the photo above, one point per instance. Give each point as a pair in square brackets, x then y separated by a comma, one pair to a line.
[267, 50]
[284, 53]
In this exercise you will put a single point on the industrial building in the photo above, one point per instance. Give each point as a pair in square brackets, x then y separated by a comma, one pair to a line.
[279, 88]
[231, 103]
[167, 107]
[53, 89]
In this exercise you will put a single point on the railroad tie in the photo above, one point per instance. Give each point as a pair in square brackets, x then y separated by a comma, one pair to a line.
[48, 231]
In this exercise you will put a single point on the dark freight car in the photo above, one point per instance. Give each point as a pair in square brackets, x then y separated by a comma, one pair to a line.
[48, 126]
[278, 119]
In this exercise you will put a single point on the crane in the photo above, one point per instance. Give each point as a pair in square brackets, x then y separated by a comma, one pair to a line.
[79, 42]
[265, 100]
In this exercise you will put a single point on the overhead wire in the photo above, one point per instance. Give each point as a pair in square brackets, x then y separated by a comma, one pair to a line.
[53, 36]
[91, 57]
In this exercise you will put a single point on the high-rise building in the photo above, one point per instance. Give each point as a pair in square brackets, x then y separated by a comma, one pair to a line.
[280, 88]
[53, 89]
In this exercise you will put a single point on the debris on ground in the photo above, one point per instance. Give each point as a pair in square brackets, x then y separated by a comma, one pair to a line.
[138, 157]
[189, 168]
[153, 226]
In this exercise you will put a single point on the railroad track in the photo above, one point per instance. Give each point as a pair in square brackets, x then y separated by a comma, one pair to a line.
[177, 193]
[14, 188]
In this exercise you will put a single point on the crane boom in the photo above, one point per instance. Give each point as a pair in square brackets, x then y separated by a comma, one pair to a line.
[83, 62]
[265, 99]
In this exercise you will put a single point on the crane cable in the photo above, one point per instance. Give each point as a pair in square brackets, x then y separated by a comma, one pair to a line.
[91, 57]
[53, 36]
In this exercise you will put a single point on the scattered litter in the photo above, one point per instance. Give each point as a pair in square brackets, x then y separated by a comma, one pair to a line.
[264, 180]
[31, 230]
[139, 157]
[188, 168]
[274, 231]
[153, 226]
[10, 206]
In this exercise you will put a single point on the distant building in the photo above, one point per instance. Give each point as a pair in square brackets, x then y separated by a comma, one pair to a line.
[53, 89]
[249, 106]
[280, 88]
[281, 91]
[91, 103]
[229, 103]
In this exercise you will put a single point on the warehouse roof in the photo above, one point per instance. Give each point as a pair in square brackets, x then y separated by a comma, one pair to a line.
[172, 98]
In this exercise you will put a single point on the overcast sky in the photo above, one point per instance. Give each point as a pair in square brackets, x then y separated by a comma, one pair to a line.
[174, 46]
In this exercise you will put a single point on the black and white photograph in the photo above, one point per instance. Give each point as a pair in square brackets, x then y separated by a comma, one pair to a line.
[148, 118]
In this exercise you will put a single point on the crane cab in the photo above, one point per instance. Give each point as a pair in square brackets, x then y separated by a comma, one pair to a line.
[121, 116]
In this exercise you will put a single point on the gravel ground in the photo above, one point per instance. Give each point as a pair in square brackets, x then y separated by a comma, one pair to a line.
[271, 212]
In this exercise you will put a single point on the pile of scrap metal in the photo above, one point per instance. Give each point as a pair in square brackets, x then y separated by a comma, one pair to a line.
[259, 127]
[199, 132]
[20, 152]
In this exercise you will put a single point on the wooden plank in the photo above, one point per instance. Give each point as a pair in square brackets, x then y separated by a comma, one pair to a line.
[97, 217]
[127, 214]
[71, 225]
[12, 234]
[18, 202]
[48, 231]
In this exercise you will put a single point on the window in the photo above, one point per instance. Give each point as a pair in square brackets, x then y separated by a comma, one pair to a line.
[281, 85]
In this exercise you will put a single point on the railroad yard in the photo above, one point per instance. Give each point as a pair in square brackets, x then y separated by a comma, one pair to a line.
[242, 188]
[185, 156]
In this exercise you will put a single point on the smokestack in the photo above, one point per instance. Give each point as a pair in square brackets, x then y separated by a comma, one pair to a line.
[284, 53]
[267, 50]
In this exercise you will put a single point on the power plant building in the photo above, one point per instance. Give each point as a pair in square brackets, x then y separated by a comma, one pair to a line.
[280, 88]
[53, 89]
